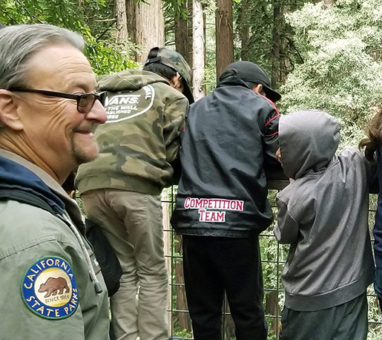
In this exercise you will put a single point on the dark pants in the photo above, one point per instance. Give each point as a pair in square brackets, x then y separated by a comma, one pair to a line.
[344, 322]
[217, 265]
[378, 285]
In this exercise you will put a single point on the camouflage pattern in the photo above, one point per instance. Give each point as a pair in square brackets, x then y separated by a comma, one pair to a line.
[140, 139]
[176, 61]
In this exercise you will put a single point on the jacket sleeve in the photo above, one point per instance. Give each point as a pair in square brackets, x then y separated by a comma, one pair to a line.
[174, 124]
[25, 312]
[286, 229]
[18, 308]
[270, 129]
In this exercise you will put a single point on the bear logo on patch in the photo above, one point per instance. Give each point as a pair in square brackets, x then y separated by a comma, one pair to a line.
[53, 285]
[49, 288]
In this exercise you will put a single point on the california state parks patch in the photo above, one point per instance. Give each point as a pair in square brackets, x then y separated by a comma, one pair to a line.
[49, 288]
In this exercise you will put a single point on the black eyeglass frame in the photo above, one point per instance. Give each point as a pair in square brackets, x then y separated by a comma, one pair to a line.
[101, 96]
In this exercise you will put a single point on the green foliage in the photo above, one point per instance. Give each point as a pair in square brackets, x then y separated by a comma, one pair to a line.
[184, 333]
[256, 16]
[87, 18]
[107, 57]
[175, 8]
[262, 19]
[342, 66]
[64, 13]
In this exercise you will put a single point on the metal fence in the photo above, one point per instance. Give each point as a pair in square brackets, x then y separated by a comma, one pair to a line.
[273, 259]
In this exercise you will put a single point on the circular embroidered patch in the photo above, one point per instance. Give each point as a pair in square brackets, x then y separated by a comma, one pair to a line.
[49, 288]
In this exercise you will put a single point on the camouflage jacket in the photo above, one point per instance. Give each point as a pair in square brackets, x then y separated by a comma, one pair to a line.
[139, 143]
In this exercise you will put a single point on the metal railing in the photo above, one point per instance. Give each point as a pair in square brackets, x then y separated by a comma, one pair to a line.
[273, 259]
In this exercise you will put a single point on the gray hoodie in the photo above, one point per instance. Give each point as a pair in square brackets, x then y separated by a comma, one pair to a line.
[322, 214]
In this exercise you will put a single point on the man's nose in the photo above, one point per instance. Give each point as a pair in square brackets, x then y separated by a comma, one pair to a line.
[97, 113]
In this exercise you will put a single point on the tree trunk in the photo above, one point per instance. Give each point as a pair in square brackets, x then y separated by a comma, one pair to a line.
[120, 14]
[243, 27]
[198, 49]
[281, 42]
[278, 26]
[182, 36]
[184, 320]
[272, 308]
[190, 37]
[224, 35]
[145, 25]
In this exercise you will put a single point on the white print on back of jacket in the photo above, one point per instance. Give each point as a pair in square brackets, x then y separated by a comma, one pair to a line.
[128, 105]
[204, 206]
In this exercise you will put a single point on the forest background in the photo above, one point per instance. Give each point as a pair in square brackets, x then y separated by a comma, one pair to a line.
[320, 54]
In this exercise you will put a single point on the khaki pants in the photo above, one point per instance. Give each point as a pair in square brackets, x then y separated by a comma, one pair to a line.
[132, 222]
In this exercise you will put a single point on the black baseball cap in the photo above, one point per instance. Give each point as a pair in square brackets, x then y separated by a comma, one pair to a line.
[251, 73]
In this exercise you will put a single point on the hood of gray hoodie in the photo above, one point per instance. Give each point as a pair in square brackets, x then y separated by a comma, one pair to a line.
[308, 141]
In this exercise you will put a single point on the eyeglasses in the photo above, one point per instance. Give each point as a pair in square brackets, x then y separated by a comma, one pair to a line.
[85, 101]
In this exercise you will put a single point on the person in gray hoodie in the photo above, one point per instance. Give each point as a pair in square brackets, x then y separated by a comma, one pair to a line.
[323, 215]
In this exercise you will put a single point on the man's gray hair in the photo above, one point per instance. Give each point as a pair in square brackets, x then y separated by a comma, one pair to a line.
[19, 42]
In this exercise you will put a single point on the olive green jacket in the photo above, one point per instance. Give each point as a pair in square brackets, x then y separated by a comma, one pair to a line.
[139, 143]
[46, 291]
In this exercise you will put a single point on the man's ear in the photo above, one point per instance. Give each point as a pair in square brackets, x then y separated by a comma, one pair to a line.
[9, 115]
[258, 88]
[176, 82]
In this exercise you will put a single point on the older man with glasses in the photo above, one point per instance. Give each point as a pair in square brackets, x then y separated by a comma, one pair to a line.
[51, 284]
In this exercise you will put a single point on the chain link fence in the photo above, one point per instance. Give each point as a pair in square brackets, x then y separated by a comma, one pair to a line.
[273, 259]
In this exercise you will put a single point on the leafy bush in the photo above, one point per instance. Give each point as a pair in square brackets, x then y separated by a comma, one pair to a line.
[341, 71]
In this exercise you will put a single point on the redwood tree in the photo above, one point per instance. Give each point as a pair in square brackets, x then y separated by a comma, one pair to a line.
[121, 27]
[224, 35]
[145, 24]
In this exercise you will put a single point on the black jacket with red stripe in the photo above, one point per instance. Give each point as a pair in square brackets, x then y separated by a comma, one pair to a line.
[231, 136]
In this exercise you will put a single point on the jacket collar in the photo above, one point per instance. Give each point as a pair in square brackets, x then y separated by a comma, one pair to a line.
[19, 173]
